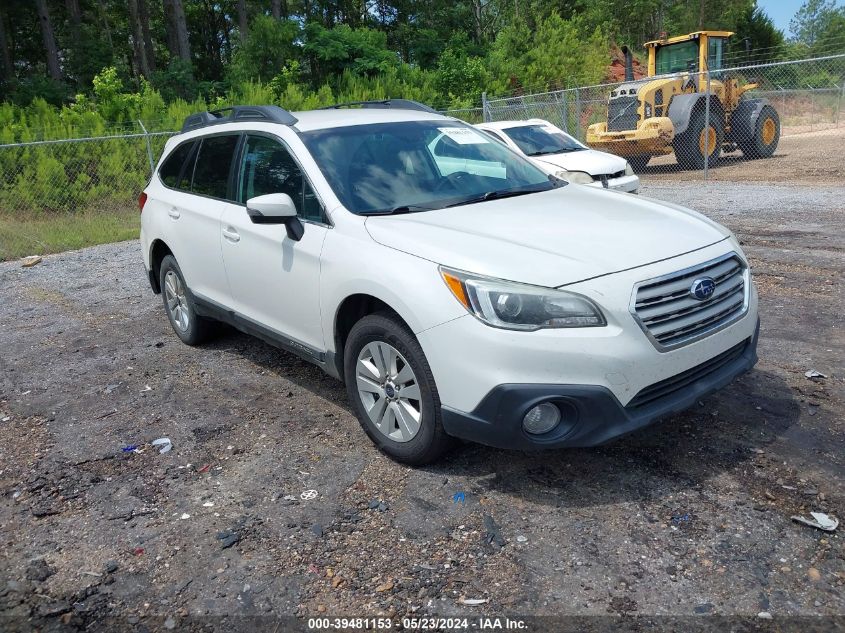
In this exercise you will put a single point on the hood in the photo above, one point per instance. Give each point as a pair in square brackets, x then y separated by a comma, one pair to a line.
[551, 238]
[588, 160]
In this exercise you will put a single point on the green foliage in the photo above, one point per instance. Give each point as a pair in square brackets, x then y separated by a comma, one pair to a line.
[765, 42]
[271, 46]
[814, 20]
[334, 51]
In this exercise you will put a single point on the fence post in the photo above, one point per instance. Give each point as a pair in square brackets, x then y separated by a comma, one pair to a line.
[565, 113]
[149, 146]
[485, 108]
[813, 107]
[578, 114]
[707, 126]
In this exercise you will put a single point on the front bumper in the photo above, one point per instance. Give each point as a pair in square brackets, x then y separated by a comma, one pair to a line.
[628, 184]
[653, 137]
[591, 414]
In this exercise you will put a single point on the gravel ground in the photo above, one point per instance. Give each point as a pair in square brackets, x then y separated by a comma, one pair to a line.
[813, 157]
[688, 519]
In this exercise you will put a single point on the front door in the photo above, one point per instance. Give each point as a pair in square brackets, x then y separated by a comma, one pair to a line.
[273, 280]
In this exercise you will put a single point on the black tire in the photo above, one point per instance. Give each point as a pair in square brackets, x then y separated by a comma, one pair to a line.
[638, 163]
[196, 329]
[430, 441]
[690, 149]
[766, 135]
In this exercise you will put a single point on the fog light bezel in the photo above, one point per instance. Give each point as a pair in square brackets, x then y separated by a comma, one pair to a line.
[546, 403]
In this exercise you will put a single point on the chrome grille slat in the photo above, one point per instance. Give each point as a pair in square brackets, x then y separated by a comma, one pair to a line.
[687, 305]
[682, 283]
[685, 291]
[672, 317]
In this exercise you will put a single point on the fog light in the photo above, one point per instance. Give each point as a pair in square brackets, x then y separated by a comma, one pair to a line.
[541, 419]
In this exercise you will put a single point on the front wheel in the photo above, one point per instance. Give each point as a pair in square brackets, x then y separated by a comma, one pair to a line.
[766, 135]
[392, 390]
[701, 141]
[638, 163]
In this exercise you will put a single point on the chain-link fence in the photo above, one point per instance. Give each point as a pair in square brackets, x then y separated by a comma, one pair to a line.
[669, 124]
[60, 194]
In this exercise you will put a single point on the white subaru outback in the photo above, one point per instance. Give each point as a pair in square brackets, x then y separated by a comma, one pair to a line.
[458, 290]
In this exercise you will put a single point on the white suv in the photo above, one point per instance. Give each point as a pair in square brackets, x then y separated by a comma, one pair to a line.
[458, 291]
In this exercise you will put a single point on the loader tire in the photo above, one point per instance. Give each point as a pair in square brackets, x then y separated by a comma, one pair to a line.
[700, 141]
[638, 163]
[766, 135]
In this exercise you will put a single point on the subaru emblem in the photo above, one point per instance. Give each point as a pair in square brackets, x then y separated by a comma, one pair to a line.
[703, 288]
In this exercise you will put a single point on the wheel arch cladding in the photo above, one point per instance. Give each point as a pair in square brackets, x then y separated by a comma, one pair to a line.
[351, 310]
[744, 118]
[158, 251]
[683, 106]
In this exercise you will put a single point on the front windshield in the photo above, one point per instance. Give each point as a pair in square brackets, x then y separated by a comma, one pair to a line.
[418, 166]
[538, 140]
[677, 58]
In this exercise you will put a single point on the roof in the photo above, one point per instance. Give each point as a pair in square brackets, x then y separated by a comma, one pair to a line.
[687, 36]
[504, 125]
[320, 119]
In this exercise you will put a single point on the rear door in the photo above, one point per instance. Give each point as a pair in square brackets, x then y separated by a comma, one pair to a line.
[194, 209]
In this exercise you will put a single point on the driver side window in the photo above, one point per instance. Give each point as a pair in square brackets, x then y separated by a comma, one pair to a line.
[267, 167]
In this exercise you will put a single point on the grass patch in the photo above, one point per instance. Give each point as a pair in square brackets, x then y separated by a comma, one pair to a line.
[24, 234]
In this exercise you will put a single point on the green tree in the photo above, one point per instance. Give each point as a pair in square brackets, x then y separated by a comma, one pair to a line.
[812, 20]
[270, 46]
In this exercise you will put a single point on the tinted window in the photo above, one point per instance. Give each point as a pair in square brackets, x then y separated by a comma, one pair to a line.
[211, 173]
[268, 167]
[172, 167]
[677, 58]
[537, 140]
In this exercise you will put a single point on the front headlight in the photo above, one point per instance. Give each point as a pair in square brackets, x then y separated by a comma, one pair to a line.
[629, 171]
[514, 306]
[577, 177]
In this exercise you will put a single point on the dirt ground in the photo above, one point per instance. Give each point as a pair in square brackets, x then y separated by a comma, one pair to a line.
[809, 157]
[683, 526]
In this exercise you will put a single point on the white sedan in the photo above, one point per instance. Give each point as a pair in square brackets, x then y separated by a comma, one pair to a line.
[557, 153]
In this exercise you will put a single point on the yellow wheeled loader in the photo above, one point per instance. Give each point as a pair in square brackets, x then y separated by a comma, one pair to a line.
[668, 112]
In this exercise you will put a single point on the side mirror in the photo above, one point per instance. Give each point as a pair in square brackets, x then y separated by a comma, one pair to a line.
[276, 208]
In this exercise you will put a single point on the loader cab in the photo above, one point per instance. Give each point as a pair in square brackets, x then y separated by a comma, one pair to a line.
[694, 52]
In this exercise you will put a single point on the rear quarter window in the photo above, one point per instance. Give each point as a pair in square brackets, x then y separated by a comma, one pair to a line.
[171, 169]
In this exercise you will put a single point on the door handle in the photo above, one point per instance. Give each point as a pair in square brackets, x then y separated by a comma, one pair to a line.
[231, 234]
[173, 212]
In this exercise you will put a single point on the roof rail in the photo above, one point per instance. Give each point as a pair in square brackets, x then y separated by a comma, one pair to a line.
[397, 104]
[268, 113]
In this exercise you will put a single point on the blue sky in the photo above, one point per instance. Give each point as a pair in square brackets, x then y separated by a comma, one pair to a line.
[781, 11]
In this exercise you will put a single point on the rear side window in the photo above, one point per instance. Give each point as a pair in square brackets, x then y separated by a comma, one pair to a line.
[171, 169]
[211, 173]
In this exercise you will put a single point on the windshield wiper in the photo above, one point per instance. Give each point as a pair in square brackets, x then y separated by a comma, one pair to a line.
[556, 151]
[495, 195]
[397, 210]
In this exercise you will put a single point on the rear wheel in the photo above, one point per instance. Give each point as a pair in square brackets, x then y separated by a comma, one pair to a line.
[179, 305]
[392, 390]
[766, 135]
[700, 141]
[638, 163]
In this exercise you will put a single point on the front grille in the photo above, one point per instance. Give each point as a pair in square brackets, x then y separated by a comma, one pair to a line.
[683, 380]
[622, 114]
[666, 309]
[616, 174]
